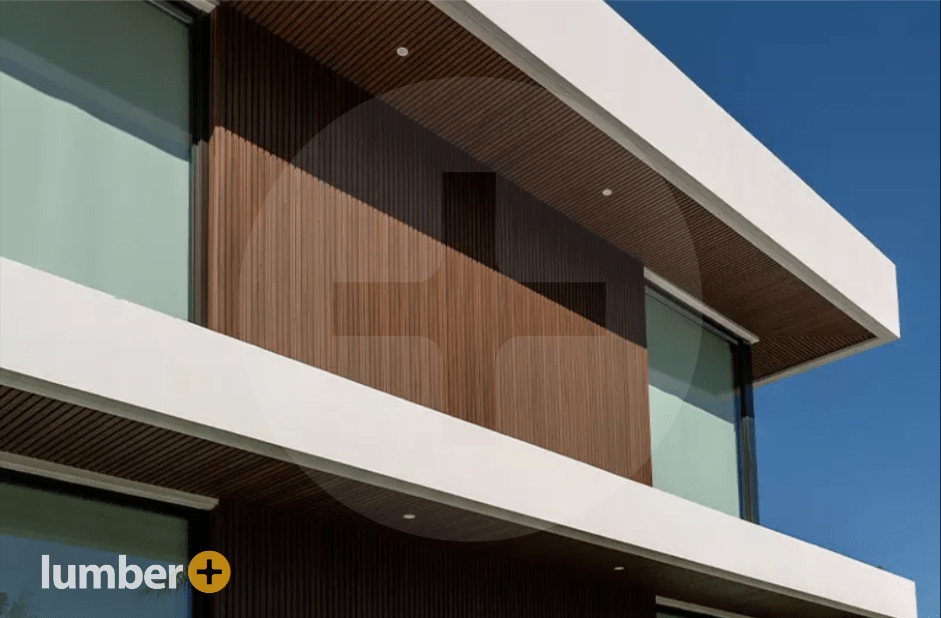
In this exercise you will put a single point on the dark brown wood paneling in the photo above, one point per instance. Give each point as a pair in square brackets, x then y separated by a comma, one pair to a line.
[460, 89]
[469, 215]
[292, 565]
[346, 236]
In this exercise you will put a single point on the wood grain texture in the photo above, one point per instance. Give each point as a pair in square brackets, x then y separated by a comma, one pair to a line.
[297, 566]
[344, 235]
[454, 85]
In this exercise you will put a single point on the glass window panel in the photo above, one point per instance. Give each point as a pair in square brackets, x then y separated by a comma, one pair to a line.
[94, 160]
[692, 409]
[79, 531]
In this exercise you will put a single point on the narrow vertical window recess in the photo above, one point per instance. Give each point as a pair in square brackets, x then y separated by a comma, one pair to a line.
[469, 205]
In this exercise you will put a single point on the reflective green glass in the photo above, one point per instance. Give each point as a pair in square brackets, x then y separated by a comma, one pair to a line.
[94, 154]
[75, 531]
[692, 409]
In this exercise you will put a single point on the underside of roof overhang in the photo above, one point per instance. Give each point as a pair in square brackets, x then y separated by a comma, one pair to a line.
[128, 450]
[542, 139]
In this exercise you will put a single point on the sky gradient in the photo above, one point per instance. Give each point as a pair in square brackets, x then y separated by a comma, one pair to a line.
[847, 95]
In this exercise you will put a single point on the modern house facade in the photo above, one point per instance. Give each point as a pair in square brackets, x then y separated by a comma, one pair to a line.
[446, 308]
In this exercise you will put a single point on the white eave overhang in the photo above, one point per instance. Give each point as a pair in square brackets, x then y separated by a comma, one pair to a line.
[589, 57]
[63, 340]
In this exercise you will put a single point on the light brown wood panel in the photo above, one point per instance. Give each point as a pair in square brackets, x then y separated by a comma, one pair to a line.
[328, 244]
[331, 281]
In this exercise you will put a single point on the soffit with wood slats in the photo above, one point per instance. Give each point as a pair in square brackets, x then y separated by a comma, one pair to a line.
[459, 88]
[63, 433]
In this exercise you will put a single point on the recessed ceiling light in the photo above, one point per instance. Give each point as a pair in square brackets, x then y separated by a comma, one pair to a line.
[408, 516]
[618, 568]
[402, 51]
[607, 192]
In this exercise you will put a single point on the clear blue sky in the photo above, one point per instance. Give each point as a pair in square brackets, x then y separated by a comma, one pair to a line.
[846, 94]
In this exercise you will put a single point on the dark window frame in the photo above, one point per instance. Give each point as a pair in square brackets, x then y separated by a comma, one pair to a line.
[743, 382]
[198, 538]
[200, 131]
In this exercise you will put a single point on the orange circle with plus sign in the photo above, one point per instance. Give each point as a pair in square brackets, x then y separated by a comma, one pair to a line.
[209, 572]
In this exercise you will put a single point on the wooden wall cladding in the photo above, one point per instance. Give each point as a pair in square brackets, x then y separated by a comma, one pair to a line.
[290, 565]
[462, 90]
[339, 235]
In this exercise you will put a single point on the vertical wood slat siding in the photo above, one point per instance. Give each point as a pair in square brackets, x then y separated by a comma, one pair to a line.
[293, 566]
[327, 244]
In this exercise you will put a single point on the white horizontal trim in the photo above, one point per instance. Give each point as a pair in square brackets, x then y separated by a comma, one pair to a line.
[660, 116]
[172, 10]
[699, 609]
[76, 342]
[206, 6]
[77, 476]
[700, 307]
[824, 360]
